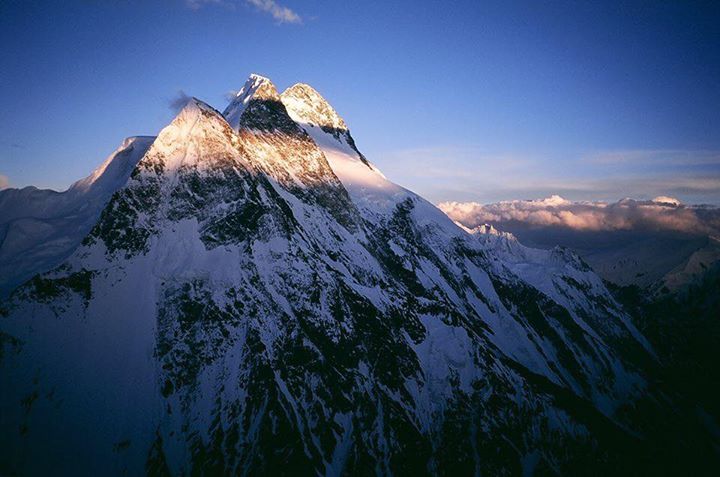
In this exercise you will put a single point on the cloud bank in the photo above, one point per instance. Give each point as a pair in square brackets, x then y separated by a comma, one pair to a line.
[4, 182]
[661, 213]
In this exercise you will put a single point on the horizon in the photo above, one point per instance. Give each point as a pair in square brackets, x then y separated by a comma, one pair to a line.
[541, 108]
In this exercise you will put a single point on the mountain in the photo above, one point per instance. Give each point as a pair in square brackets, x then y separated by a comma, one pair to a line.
[692, 270]
[41, 228]
[648, 259]
[648, 243]
[257, 298]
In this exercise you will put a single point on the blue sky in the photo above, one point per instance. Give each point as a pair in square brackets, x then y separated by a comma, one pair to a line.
[457, 100]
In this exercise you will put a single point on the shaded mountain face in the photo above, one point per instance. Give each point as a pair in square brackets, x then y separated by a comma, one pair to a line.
[648, 259]
[256, 297]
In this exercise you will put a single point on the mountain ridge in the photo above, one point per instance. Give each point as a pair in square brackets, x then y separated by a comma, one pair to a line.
[39, 228]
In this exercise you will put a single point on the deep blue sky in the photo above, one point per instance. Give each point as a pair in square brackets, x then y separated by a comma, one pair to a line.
[466, 100]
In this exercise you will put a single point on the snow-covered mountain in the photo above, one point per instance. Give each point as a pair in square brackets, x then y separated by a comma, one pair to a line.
[41, 228]
[257, 298]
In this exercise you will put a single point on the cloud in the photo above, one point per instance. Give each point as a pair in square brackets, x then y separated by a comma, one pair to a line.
[4, 182]
[178, 101]
[280, 13]
[663, 199]
[662, 213]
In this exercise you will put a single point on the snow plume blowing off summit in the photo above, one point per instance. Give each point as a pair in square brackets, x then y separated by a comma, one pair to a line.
[255, 297]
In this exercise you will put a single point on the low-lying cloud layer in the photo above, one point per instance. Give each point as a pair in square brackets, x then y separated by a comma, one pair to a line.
[661, 213]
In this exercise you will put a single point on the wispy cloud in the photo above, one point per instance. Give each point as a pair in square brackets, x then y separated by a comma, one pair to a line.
[177, 102]
[661, 213]
[4, 182]
[280, 13]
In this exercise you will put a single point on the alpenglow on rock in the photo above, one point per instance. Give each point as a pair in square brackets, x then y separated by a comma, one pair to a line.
[257, 298]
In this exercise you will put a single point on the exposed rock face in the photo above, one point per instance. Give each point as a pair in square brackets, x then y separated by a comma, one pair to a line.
[258, 299]
[286, 153]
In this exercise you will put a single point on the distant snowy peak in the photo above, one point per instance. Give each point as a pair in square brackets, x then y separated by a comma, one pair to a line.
[507, 243]
[487, 231]
[90, 192]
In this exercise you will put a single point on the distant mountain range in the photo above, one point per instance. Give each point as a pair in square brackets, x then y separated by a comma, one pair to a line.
[658, 244]
[246, 293]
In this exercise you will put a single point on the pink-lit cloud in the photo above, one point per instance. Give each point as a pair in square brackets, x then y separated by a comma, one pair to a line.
[661, 213]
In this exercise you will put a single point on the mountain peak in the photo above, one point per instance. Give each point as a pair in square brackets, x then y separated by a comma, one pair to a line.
[192, 110]
[485, 230]
[189, 138]
[306, 105]
[257, 77]
[309, 109]
[256, 87]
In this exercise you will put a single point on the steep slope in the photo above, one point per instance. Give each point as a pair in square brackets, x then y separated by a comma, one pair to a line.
[562, 278]
[692, 271]
[373, 194]
[40, 228]
[248, 304]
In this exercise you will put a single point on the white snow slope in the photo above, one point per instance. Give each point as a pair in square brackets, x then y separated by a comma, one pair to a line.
[41, 228]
